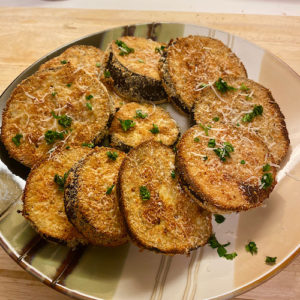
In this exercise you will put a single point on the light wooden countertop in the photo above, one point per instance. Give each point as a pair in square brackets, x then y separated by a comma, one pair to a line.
[29, 33]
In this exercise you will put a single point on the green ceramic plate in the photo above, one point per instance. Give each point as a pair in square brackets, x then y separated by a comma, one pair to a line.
[125, 272]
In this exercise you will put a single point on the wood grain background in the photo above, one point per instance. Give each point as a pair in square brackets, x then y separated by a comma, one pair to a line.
[26, 34]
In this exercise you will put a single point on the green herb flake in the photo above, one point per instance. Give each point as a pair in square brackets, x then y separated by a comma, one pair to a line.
[98, 65]
[216, 119]
[219, 218]
[89, 106]
[205, 158]
[51, 136]
[126, 124]
[244, 88]
[224, 152]
[68, 147]
[112, 155]
[61, 180]
[89, 97]
[63, 62]
[205, 128]
[140, 114]
[174, 149]
[173, 175]
[124, 49]
[270, 260]
[109, 190]
[212, 143]
[223, 87]
[222, 252]
[17, 139]
[242, 162]
[144, 193]
[106, 74]
[141, 61]
[266, 168]
[69, 84]
[160, 49]
[238, 124]
[63, 120]
[89, 145]
[257, 111]
[54, 94]
[196, 139]
[266, 180]
[251, 247]
[154, 129]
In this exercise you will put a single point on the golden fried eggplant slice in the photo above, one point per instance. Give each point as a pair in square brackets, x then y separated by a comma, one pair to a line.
[135, 123]
[226, 169]
[54, 107]
[158, 214]
[245, 104]
[43, 197]
[90, 198]
[130, 64]
[191, 62]
[84, 57]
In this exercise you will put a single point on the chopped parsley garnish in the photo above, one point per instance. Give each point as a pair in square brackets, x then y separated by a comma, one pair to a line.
[154, 129]
[266, 180]
[160, 49]
[196, 139]
[89, 97]
[68, 147]
[242, 162]
[238, 124]
[109, 190]
[63, 62]
[216, 119]
[89, 145]
[106, 73]
[266, 168]
[69, 84]
[212, 143]
[140, 114]
[54, 94]
[213, 242]
[205, 128]
[126, 124]
[140, 61]
[251, 247]
[112, 155]
[174, 149]
[225, 151]
[51, 136]
[144, 193]
[222, 86]
[98, 65]
[124, 49]
[205, 158]
[244, 88]
[219, 218]
[173, 175]
[17, 139]
[61, 180]
[270, 260]
[257, 111]
[63, 120]
[89, 106]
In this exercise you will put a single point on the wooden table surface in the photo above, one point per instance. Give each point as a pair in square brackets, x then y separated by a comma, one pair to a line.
[26, 34]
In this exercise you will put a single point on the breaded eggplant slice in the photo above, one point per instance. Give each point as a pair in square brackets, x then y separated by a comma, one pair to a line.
[144, 122]
[235, 106]
[131, 65]
[189, 63]
[116, 100]
[54, 107]
[86, 57]
[90, 198]
[226, 169]
[43, 197]
[158, 213]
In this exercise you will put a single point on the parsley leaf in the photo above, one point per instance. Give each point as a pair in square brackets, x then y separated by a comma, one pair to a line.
[69, 84]
[98, 65]
[140, 114]
[173, 175]
[212, 143]
[61, 180]
[196, 139]
[89, 145]
[89, 97]
[216, 119]
[124, 49]
[63, 62]
[126, 124]
[106, 74]
[251, 247]
[267, 180]
[160, 49]
[109, 190]
[244, 88]
[63, 120]
[219, 218]
[154, 129]
[242, 162]
[144, 193]
[112, 155]
[54, 94]
[266, 168]
[17, 139]
[205, 158]
[225, 151]
[89, 106]
[51, 136]
[257, 111]
[213, 242]
[140, 61]
[270, 260]
[222, 86]
[205, 128]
